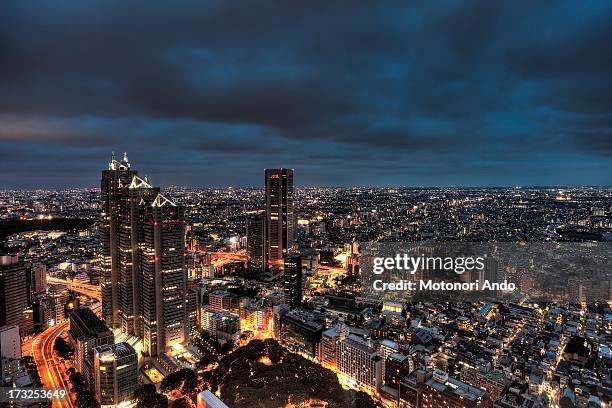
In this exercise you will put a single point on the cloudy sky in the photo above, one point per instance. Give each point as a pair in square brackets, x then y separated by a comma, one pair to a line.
[406, 93]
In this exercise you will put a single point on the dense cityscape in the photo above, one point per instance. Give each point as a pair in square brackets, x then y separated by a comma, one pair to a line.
[130, 295]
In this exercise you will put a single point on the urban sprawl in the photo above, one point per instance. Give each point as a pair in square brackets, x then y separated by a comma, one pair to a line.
[132, 295]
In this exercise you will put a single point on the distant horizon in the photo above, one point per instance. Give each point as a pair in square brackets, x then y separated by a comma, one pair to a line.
[432, 187]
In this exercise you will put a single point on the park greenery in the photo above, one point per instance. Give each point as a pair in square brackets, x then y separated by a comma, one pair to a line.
[264, 374]
[84, 397]
[63, 348]
[146, 396]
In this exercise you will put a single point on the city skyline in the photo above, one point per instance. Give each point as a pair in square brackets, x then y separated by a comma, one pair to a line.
[214, 204]
[150, 295]
[470, 94]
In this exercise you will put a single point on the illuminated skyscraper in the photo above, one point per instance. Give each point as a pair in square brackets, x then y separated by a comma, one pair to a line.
[118, 176]
[143, 260]
[130, 205]
[292, 280]
[256, 239]
[279, 213]
[163, 276]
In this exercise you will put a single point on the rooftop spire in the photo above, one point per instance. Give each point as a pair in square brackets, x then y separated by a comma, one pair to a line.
[118, 165]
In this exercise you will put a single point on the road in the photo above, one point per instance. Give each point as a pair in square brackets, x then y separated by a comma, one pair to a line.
[92, 291]
[41, 346]
[220, 259]
[48, 364]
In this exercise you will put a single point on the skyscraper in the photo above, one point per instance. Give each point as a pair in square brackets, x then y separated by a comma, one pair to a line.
[292, 280]
[114, 180]
[256, 239]
[13, 293]
[130, 206]
[279, 213]
[143, 259]
[163, 276]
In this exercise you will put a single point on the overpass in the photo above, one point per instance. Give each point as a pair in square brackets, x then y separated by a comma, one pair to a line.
[92, 291]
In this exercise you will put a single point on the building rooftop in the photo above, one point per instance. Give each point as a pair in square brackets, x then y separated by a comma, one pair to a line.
[114, 351]
[88, 321]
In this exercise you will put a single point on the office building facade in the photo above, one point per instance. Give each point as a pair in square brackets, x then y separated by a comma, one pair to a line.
[279, 213]
[292, 280]
[256, 241]
[116, 373]
[14, 293]
[361, 363]
[143, 260]
[87, 331]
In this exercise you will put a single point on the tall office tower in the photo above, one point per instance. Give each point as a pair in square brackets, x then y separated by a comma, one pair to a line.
[144, 275]
[39, 273]
[163, 277]
[292, 284]
[279, 213]
[114, 180]
[256, 240]
[135, 198]
[13, 293]
[116, 373]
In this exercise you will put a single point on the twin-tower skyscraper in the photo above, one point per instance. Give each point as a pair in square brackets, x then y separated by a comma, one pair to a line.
[142, 249]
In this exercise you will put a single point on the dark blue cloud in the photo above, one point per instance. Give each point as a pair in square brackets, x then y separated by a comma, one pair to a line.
[347, 93]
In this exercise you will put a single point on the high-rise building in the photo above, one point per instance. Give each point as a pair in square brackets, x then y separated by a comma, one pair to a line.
[58, 297]
[143, 260]
[39, 273]
[114, 180]
[330, 341]
[88, 331]
[163, 277]
[116, 373]
[256, 240]
[130, 207]
[292, 280]
[361, 363]
[10, 350]
[279, 213]
[224, 301]
[10, 343]
[14, 293]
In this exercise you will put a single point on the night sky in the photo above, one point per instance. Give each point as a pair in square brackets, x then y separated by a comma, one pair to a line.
[345, 92]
